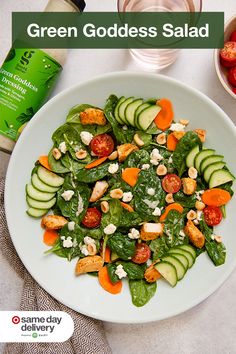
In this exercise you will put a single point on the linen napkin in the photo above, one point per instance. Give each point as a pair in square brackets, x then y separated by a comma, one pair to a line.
[88, 336]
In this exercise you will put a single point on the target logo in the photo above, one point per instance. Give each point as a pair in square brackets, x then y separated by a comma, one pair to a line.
[15, 319]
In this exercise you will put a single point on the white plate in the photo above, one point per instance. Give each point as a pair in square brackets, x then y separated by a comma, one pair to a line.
[55, 274]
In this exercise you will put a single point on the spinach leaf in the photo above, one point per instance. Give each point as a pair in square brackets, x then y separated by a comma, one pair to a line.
[227, 187]
[137, 159]
[216, 251]
[114, 214]
[201, 184]
[141, 291]
[70, 164]
[134, 271]
[111, 268]
[122, 136]
[146, 138]
[185, 200]
[174, 223]
[67, 129]
[74, 114]
[122, 245]
[94, 174]
[145, 203]
[129, 220]
[56, 165]
[159, 247]
[97, 233]
[188, 141]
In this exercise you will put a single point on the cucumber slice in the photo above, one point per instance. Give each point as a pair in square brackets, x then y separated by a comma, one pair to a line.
[187, 254]
[40, 205]
[220, 177]
[116, 112]
[139, 110]
[130, 110]
[191, 156]
[180, 269]
[182, 258]
[168, 271]
[122, 107]
[190, 249]
[35, 181]
[36, 213]
[49, 178]
[211, 168]
[114, 256]
[209, 160]
[201, 155]
[147, 116]
[38, 195]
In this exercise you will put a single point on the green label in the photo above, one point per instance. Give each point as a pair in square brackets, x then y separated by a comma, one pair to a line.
[26, 78]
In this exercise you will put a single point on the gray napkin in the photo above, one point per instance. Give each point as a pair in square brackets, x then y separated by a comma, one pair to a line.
[88, 336]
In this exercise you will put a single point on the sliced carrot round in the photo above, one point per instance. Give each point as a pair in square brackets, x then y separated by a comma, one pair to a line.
[43, 160]
[127, 207]
[106, 283]
[96, 163]
[172, 142]
[166, 115]
[130, 175]
[216, 197]
[50, 237]
[174, 206]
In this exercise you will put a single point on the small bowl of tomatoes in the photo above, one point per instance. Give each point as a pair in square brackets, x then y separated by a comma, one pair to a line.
[225, 59]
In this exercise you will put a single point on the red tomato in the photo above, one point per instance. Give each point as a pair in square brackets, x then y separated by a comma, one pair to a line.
[234, 90]
[102, 145]
[228, 54]
[92, 218]
[233, 36]
[212, 215]
[142, 253]
[171, 183]
[232, 76]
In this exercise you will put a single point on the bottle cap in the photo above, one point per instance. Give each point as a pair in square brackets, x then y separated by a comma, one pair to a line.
[80, 4]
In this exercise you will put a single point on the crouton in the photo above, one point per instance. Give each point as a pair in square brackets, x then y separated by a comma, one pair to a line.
[195, 235]
[88, 264]
[99, 190]
[53, 222]
[201, 134]
[151, 274]
[124, 150]
[178, 135]
[189, 185]
[150, 231]
[92, 116]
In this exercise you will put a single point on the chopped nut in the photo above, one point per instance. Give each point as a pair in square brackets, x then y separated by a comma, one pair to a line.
[178, 135]
[92, 249]
[113, 156]
[99, 189]
[105, 206]
[192, 172]
[184, 121]
[116, 193]
[169, 198]
[56, 153]
[81, 154]
[191, 215]
[53, 222]
[161, 170]
[161, 138]
[218, 239]
[201, 134]
[93, 116]
[138, 140]
[189, 185]
[151, 274]
[88, 264]
[199, 205]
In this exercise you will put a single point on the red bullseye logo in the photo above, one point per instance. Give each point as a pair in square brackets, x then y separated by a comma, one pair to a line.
[15, 319]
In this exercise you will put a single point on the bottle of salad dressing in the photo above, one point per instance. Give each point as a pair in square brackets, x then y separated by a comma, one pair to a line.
[21, 77]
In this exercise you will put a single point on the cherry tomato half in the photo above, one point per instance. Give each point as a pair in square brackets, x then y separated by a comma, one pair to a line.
[171, 183]
[234, 90]
[228, 54]
[142, 253]
[92, 218]
[102, 145]
[212, 215]
[233, 36]
[232, 76]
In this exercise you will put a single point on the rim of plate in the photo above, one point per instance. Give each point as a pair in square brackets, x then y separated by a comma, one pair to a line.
[33, 122]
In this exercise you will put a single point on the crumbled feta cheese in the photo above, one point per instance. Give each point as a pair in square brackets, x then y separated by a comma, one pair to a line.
[149, 262]
[151, 205]
[75, 243]
[199, 215]
[127, 197]
[62, 147]
[125, 127]
[120, 272]
[67, 242]
[155, 157]
[80, 205]
[86, 137]
[110, 229]
[88, 240]
[151, 191]
[84, 250]
[157, 212]
[67, 195]
[196, 222]
[198, 195]
[113, 168]
[182, 233]
[133, 234]
[145, 166]
[170, 159]
[177, 127]
[71, 225]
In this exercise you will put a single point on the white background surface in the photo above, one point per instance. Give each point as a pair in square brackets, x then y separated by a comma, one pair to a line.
[209, 327]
